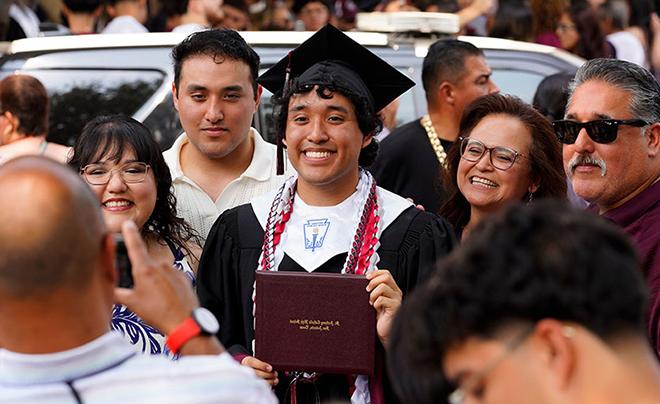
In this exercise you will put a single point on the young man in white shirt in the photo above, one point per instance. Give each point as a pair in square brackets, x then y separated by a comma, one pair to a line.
[219, 162]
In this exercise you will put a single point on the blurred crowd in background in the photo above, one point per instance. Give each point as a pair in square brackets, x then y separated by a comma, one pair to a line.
[624, 29]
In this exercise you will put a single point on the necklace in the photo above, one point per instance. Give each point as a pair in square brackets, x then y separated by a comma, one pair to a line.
[360, 258]
[435, 141]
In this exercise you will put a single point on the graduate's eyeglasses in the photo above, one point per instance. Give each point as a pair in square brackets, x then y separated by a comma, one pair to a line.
[100, 174]
[501, 157]
[600, 130]
[472, 382]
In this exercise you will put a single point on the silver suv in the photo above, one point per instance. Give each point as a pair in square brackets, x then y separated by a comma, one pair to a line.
[131, 74]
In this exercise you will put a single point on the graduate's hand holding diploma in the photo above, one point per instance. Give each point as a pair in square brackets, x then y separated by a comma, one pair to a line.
[262, 369]
[385, 296]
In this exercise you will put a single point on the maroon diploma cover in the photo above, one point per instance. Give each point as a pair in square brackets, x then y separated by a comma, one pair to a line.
[315, 322]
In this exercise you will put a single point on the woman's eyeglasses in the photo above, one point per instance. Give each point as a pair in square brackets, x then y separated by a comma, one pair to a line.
[501, 157]
[100, 174]
[600, 130]
[566, 27]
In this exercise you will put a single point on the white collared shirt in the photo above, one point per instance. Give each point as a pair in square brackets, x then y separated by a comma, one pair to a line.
[107, 370]
[125, 24]
[197, 207]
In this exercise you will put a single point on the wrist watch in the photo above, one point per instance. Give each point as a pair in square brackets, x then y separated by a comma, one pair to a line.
[200, 322]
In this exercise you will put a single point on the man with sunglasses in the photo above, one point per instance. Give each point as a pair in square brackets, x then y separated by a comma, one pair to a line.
[542, 304]
[611, 138]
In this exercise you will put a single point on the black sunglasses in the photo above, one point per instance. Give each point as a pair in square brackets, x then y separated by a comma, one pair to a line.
[600, 130]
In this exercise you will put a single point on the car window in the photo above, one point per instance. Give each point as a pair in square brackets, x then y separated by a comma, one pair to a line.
[164, 123]
[517, 82]
[77, 96]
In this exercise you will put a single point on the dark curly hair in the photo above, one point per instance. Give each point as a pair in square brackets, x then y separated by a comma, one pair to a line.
[546, 163]
[108, 137]
[217, 44]
[540, 261]
[368, 120]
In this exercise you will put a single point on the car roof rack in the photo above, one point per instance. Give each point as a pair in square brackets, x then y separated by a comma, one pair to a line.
[413, 23]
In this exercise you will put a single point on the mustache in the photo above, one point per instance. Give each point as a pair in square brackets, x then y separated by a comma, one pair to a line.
[586, 159]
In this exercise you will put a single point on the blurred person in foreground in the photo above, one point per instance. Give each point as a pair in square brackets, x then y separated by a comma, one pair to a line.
[506, 153]
[122, 163]
[57, 287]
[411, 160]
[611, 149]
[24, 109]
[543, 304]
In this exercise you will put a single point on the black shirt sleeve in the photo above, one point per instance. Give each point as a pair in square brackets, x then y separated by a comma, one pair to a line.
[226, 276]
[412, 246]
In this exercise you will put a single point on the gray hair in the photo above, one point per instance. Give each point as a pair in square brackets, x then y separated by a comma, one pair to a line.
[639, 82]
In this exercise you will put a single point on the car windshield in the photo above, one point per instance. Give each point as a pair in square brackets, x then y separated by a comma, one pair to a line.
[79, 95]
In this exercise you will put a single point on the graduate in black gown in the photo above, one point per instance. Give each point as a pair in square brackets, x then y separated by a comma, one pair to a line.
[330, 217]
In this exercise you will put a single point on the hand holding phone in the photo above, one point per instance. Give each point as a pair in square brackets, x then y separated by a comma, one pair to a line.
[160, 294]
[123, 263]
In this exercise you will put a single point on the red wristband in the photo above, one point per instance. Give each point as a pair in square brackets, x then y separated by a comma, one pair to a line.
[183, 333]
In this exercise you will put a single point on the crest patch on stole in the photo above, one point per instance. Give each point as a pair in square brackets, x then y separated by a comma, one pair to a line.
[315, 231]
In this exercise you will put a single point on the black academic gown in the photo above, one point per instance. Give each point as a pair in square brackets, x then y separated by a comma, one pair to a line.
[410, 247]
[407, 165]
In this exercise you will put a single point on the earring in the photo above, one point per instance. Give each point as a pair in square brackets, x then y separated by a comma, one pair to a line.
[530, 197]
[568, 331]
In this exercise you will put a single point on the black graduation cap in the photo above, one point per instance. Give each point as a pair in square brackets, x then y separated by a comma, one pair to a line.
[330, 57]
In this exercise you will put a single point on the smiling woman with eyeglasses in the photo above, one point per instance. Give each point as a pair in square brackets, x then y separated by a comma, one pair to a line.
[507, 153]
[118, 157]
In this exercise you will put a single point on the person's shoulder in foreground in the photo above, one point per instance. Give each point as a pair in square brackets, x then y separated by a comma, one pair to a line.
[100, 372]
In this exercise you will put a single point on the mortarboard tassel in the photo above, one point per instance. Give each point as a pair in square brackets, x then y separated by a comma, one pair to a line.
[280, 136]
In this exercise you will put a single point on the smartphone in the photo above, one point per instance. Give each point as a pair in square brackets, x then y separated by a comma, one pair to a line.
[123, 263]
